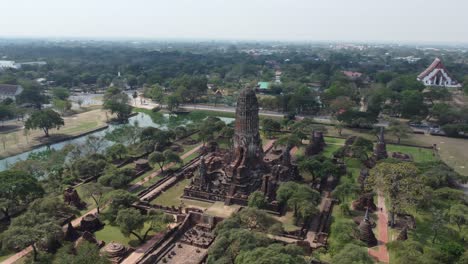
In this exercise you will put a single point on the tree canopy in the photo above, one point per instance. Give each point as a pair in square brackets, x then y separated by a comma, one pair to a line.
[44, 119]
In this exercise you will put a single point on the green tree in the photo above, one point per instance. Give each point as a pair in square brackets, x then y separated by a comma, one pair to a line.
[125, 134]
[269, 126]
[131, 221]
[412, 104]
[89, 167]
[346, 189]
[318, 167]
[45, 120]
[117, 151]
[157, 158]
[275, 253]
[97, 192]
[164, 158]
[117, 178]
[257, 200]
[6, 112]
[30, 229]
[352, 254]
[118, 199]
[84, 253]
[60, 93]
[399, 130]
[173, 101]
[17, 189]
[31, 95]
[300, 198]
[116, 102]
[401, 182]
[458, 214]
[61, 105]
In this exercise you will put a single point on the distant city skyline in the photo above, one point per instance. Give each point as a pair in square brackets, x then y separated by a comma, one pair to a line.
[397, 21]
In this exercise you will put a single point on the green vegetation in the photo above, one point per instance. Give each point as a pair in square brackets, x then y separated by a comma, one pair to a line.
[241, 239]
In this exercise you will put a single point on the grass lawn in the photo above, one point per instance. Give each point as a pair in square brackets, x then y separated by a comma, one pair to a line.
[418, 154]
[14, 142]
[171, 197]
[330, 149]
[112, 233]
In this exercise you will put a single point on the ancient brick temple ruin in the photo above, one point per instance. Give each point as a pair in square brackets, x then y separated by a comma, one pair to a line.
[380, 150]
[231, 175]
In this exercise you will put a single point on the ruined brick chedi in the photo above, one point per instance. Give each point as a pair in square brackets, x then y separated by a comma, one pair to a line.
[231, 175]
[243, 172]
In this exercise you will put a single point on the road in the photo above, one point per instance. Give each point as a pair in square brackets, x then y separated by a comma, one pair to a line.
[232, 109]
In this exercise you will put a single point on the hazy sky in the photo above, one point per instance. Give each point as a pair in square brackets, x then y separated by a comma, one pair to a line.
[349, 20]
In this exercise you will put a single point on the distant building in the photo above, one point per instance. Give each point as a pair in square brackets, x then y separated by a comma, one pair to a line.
[33, 63]
[352, 75]
[9, 91]
[437, 75]
[6, 64]
[263, 86]
[409, 59]
[278, 77]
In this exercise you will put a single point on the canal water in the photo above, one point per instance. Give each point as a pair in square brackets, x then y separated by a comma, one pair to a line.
[159, 120]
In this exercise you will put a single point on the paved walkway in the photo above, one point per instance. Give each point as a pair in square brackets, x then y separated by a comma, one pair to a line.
[381, 254]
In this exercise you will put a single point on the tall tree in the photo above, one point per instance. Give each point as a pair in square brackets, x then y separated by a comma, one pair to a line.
[257, 200]
[458, 215]
[86, 252]
[30, 229]
[17, 189]
[401, 182]
[97, 193]
[132, 222]
[45, 120]
[300, 198]
[399, 130]
[116, 102]
[163, 158]
[352, 254]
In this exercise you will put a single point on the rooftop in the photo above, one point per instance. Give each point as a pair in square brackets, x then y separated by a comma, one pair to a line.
[263, 85]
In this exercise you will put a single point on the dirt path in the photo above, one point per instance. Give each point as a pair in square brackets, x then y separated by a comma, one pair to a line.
[381, 254]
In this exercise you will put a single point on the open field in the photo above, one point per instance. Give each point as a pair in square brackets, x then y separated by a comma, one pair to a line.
[15, 141]
[453, 151]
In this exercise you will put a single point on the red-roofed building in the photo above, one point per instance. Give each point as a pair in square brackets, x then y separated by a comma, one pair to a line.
[352, 75]
[437, 75]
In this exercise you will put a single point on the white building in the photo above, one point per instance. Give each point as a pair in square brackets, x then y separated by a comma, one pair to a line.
[6, 64]
[437, 75]
[9, 91]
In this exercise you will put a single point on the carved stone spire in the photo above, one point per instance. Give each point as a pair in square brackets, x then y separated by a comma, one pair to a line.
[365, 231]
[380, 150]
[202, 173]
[403, 234]
[247, 142]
